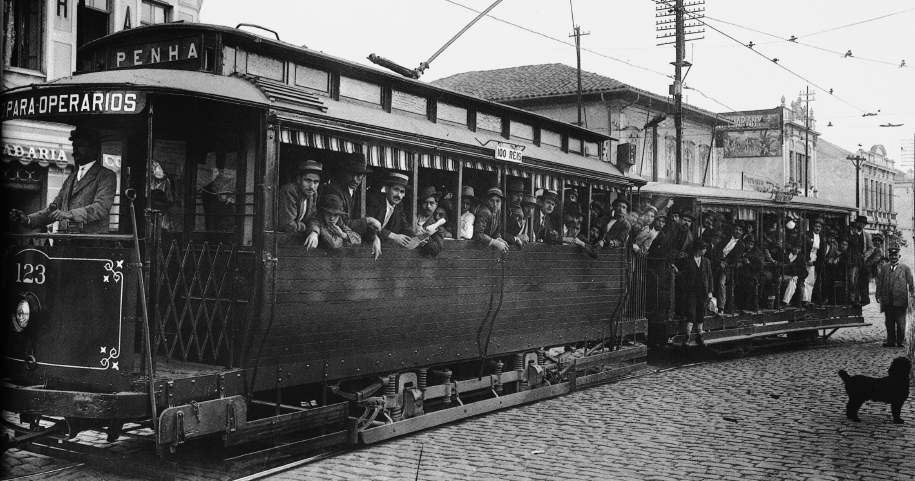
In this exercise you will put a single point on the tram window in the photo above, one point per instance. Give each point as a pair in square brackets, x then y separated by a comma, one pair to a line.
[359, 90]
[216, 192]
[111, 159]
[167, 183]
[312, 78]
[574, 145]
[154, 12]
[550, 138]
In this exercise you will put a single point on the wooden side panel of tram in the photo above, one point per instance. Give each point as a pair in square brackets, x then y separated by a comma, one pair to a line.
[341, 314]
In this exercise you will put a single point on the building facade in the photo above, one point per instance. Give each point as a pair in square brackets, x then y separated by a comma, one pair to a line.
[904, 203]
[40, 40]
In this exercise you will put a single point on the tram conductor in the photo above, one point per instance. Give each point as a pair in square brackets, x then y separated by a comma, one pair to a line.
[696, 275]
[86, 195]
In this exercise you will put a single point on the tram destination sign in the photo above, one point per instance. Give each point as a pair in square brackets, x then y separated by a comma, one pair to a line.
[508, 152]
[156, 53]
[34, 104]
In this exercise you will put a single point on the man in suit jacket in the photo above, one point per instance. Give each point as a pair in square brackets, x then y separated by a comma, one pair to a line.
[794, 271]
[487, 228]
[387, 208]
[726, 256]
[616, 229]
[860, 248]
[894, 291]
[546, 223]
[696, 278]
[87, 194]
[298, 202]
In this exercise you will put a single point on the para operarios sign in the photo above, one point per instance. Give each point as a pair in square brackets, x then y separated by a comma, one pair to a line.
[36, 104]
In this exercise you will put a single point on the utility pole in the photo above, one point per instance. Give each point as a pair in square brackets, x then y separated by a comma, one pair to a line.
[807, 140]
[857, 160]
[577, 36]
[682, 29]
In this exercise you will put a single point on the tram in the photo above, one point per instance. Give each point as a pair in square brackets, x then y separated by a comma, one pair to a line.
[764, 317]
[195, 316]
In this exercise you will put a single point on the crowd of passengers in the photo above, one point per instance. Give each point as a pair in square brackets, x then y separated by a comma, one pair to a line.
[326, 214]
[824, 265]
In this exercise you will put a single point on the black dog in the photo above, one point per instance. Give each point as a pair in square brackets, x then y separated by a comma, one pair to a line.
[893, 389]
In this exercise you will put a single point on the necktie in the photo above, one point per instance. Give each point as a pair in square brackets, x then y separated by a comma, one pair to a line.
[894, 268]
[81, 173]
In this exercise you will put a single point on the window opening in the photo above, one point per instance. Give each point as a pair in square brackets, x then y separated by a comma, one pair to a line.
[23, 32]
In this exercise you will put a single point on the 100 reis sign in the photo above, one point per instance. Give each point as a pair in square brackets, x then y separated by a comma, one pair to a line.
[37, 104]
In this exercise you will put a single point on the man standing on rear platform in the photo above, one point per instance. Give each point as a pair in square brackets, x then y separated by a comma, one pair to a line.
[895, 289]
[696, 278]
[86, 196]
[860, 248]
[814, 245]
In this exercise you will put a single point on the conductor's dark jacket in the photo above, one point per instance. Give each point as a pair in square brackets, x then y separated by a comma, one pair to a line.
[88, 201]
[697, 278]
[377, 207]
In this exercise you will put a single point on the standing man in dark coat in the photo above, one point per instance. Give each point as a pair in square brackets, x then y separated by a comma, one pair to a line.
[696, 278]
[298, 202]
[87, 194]
[546, 220]
[895, 289]
[616, 229]
[860, 248]
[726, 256]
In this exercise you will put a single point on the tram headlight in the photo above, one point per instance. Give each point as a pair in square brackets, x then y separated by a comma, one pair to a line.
[27, 310]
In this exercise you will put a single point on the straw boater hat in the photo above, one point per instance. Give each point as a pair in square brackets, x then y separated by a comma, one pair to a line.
[332, 204]
[355, 162]
[396, 178]
[310, 167]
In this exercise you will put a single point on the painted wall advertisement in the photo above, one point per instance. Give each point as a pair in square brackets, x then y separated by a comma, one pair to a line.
[752, 134]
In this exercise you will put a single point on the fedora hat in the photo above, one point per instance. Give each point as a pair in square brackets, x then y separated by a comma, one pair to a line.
[622, 200]
[396, 178]
[861, 219]
[429, 191]
[515, 185]
[332, 204]
[818, 220]
[355, 162]
[528, 199]
[550, 195]
[310, 166]
[687, 215]
[495, 191]
[85, 134]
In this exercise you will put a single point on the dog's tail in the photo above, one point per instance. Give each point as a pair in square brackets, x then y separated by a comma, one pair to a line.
[844, 375]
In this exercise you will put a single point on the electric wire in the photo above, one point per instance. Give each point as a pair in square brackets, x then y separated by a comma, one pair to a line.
[856, 23]
[783, 40]
[563, 41]
[699, 19]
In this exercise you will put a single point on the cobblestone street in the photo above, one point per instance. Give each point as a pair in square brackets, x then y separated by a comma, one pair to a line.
[768, 416]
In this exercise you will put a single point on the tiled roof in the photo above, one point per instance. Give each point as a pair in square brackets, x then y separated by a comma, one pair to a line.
[531, 81]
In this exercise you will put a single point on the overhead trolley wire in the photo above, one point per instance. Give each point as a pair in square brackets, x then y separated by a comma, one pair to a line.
[699, 19]
[856, 23]
[783, 39]
[562, 41]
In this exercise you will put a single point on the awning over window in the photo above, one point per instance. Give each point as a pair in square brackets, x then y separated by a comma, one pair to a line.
[439, 162]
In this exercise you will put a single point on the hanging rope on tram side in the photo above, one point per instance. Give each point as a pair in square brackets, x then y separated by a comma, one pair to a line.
[486, 316]
[492, 321]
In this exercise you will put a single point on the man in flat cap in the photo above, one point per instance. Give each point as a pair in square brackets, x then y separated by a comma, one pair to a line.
[333, 232]
[425, 225]
[487, 230]
[616, 230]
[86, 195]
[895, 289]
[387, 208]
[298, 201]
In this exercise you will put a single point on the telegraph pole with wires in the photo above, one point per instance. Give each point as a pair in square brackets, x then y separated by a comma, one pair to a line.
[808, 97]
[683, 31]
[577, 36]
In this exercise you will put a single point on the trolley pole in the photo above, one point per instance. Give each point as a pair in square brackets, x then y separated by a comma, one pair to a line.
[577, 36]
[678, 89]
[857, 160]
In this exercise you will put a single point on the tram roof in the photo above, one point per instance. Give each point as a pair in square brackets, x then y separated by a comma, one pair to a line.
[716, 195]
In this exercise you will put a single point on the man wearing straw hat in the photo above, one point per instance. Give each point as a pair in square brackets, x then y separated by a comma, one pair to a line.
[387, 208]
[468, 204]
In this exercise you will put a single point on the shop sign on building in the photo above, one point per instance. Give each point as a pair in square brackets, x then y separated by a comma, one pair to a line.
[752, 134]
[41, 155]
[758, 185]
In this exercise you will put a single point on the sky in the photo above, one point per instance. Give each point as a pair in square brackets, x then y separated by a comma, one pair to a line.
[621, 44]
